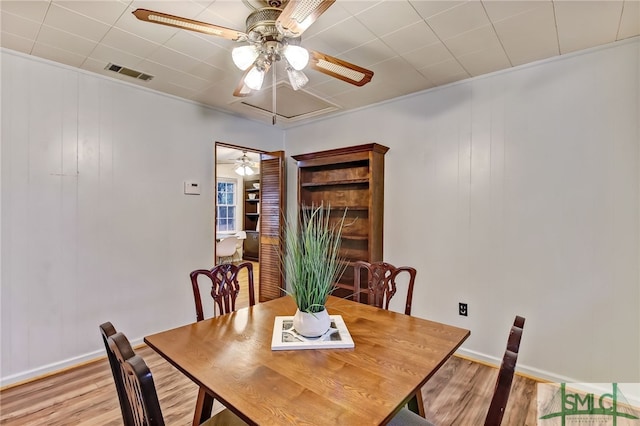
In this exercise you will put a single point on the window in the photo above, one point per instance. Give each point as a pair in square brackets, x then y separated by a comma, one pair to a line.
[226, 202]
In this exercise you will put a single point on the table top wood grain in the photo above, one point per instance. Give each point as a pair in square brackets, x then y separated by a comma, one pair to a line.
[231, 356]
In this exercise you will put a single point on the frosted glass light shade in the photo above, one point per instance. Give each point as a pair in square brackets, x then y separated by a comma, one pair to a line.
[244, 170]
[298, 57]
[297, 78]
[244, 56]
[254, 78]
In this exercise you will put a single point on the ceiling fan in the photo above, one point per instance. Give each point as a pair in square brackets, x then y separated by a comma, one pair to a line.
[244, 166]
[272, 34]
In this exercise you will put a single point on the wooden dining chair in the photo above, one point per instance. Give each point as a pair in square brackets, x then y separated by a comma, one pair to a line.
[501, 391]
[136, 388]
[224, 291]
[107, 330]
[381, 285]
[381, 280]
[224, 286]
[505, 375]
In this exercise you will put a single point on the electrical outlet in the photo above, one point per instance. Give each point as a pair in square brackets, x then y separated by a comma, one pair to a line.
[462, 309]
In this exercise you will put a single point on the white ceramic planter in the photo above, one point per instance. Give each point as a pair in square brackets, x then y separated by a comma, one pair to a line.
[311, 325]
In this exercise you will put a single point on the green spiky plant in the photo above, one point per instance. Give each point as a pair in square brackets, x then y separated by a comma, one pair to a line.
[312, 264]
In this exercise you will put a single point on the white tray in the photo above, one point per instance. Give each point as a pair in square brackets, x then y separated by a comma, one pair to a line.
[286, 338]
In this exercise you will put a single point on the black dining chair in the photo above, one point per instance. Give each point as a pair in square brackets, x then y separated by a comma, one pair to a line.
[136, 388]
[501, 391]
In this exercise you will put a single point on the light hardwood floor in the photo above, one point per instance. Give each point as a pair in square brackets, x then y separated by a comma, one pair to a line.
[458, 394]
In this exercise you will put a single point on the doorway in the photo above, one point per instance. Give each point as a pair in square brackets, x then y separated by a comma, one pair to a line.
[237, 200]
[255, 210]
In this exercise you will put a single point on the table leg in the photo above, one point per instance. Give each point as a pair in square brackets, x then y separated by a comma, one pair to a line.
[416, 403]
[204, 405]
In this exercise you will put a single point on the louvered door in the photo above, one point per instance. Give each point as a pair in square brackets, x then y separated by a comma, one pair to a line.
[272, 206]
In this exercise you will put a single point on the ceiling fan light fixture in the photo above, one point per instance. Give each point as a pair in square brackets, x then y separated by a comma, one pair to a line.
[297, 78]
[244, 165]
[254, 78]
[298, 57]
[244, 56]
[244, 170]
[273, 31]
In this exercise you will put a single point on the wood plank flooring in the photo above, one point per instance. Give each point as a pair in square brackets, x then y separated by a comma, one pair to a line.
[458, 394]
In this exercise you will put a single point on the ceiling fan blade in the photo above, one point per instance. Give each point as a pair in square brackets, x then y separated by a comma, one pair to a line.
[340, 69]
[298, 15]
[189, 24]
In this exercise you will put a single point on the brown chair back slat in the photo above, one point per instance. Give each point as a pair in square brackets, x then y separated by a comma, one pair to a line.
[107, 330]
[505, 375]
[224, 286]
[381, 280]
[140, 399]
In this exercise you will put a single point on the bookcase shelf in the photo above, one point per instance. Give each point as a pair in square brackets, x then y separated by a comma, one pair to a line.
[251, 219]
[349, 178]
[335, 183]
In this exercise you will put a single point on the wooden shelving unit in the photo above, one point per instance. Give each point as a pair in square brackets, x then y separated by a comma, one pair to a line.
[349, 178]
[251, 220]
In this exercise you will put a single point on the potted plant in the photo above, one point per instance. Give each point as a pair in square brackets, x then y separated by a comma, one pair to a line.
[312, 266]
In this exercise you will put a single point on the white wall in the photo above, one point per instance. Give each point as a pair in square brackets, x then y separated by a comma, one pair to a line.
[517, 193]
[95, 226]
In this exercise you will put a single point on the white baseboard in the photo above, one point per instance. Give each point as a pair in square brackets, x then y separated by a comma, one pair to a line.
[631, 390]
[56, 367]
[534, 373]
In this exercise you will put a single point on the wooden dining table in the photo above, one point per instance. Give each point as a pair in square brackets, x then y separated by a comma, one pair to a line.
[231, 357]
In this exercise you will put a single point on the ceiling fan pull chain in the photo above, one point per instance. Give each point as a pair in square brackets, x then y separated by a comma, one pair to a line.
[273, 96]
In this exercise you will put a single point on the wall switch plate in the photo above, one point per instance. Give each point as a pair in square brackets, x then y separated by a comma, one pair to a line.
[191, 187]
[462, 309]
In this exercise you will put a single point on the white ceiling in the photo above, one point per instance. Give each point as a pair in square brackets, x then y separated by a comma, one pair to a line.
[409, 45]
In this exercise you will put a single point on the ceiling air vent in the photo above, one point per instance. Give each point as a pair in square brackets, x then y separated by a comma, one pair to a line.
[128, 72]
